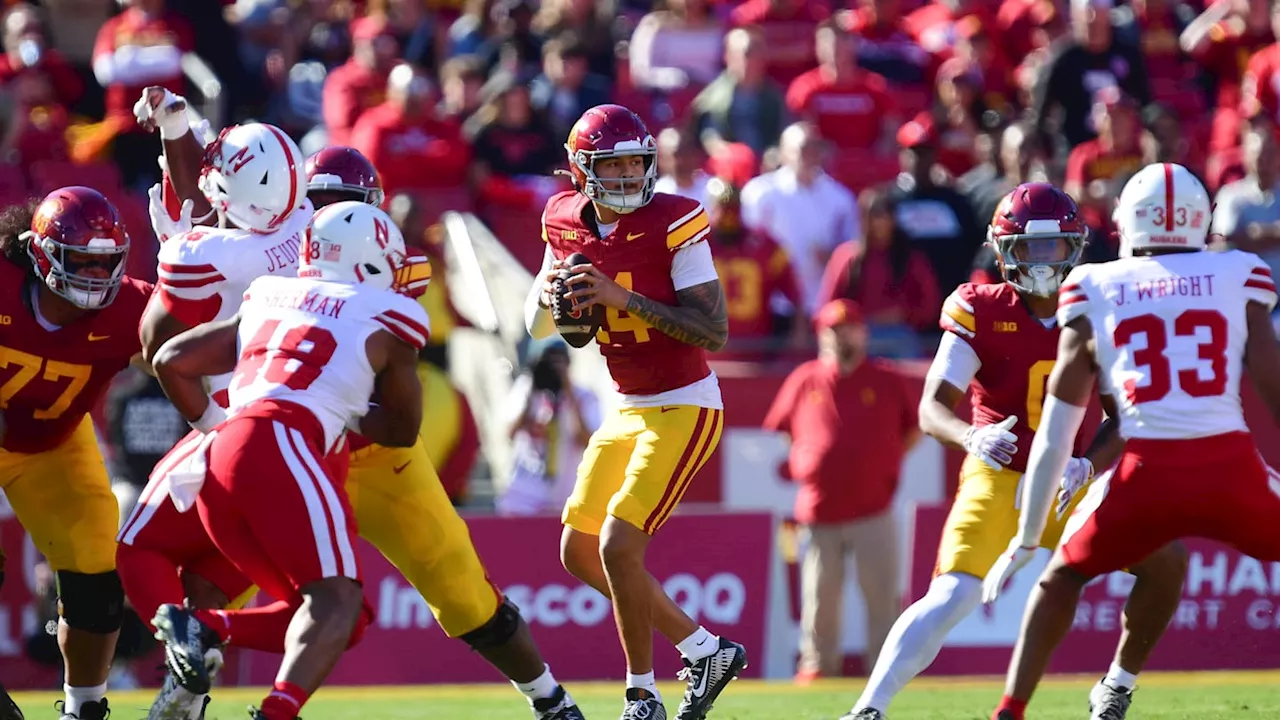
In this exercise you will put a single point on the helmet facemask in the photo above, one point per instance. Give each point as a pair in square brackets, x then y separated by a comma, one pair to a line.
[332, 189]
[65, 264]
[1037, 262]
[611, 192]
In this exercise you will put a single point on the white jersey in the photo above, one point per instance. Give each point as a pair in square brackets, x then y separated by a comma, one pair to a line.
[1169, 337]
[303, 341]
[204, 273]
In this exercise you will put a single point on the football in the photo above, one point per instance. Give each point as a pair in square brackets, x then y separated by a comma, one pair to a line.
[576, 325]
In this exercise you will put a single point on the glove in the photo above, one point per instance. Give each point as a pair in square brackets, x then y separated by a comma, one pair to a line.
[1077, 477]
[1005, 568]
[993, 444]
[165, 226]
[161, 109]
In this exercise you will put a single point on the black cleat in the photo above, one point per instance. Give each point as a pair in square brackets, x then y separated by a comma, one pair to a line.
[707, 678]
[9, 709]
[864, 714]
[643, 705]
[186, 644]
[88, 711]
[559, 706]
[256, 714]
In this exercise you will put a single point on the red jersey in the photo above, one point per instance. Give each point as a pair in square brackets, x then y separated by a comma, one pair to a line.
[788, 30]
[849, 112]
[49, 380]
[1258, 90]
[133, 28]
[411, 154]
[751, 272]
[1088, 161]
[1017, 353]
[349, 90]
[637, 255]
[1227, 58]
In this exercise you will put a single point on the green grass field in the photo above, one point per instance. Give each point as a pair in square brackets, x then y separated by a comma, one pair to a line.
[1166, 696]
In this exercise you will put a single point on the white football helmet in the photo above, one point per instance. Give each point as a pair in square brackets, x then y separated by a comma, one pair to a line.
[254, 177]
[354, 242]
[1163, 206]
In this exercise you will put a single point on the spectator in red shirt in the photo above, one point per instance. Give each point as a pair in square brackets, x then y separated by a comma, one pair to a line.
[892, 282]
[1258, 89]
[850, 106]
[37, 128]
[934, 25]
[979, 53]
[1155, 28]
[361, 82]
[1116, 151]
[851, 421]
[404, 140]
[753, 270]
[514, 148]
[885, 47]
[1221, 40]
[960, 109]
[26, 52]
[787, 26]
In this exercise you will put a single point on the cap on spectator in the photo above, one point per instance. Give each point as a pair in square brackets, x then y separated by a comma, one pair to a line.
[734, 162]
[841, 311]
[918, 132]
[1112, 97]
[368, 28]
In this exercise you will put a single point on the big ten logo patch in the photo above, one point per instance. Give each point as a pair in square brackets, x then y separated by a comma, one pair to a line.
[1005, 326]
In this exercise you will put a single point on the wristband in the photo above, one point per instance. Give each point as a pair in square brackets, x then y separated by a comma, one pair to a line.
[173, 126]
[212, 416]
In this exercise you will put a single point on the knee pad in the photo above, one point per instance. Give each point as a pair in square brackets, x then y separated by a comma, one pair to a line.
[92, 603]
[498, 630]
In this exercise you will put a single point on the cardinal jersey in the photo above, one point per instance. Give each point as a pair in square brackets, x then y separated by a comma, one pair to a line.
[49, 379]
[1017, 353]
[751, 272]
[638, 256]
[304, 341]
[1169, 334]
[204, 273]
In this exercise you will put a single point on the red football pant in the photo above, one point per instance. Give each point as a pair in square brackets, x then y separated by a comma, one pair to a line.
[271, 506]
[1215, 487]
[157, 544]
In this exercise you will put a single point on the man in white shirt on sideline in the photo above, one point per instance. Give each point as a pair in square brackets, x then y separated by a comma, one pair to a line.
[805, 210]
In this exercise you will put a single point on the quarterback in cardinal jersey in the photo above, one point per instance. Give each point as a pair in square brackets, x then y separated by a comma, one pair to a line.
[68, 324]
[651, 268]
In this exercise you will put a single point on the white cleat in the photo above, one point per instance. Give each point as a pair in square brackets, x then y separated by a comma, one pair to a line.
[1107, 702]
[175, 702]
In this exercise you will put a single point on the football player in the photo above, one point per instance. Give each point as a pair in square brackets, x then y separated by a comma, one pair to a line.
[307, 353]
[653, 274]
[1167, 331]
[1000, 341]
[68, 324]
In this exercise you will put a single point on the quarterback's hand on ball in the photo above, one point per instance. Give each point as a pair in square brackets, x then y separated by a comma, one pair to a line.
[993, 444]
[1005, 568]
[164, 225]
[595, 288]
[548, 292]
[161, 109]
[1077, 477]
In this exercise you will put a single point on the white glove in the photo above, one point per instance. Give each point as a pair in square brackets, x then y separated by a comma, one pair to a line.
[165, 226]
[1077, 477]
[993, 444]
[162, 109]
[1005, 568]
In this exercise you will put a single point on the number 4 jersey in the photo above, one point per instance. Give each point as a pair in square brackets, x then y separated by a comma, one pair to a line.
[1169, 334]
[304, 341]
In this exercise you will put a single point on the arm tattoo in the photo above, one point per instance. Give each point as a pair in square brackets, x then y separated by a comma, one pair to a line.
[700, 319]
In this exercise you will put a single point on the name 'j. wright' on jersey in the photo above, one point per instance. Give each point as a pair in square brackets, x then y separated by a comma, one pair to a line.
[303, 340]
[1170, 334]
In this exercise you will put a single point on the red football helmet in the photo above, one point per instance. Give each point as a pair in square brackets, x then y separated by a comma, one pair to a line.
[342, 173]
[1038, 236]
[78, 246]
[607, 131]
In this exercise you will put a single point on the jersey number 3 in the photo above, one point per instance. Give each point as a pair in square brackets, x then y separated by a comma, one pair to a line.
[1159, 374]
[294, 362]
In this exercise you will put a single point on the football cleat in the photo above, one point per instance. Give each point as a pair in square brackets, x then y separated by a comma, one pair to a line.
[256, 714]
[864, 714]
[88, 711]
[643, 705]
[1107, 702]
[706, 678]
[187, 643]
[559, 706]
[9, 709]
[175, 702]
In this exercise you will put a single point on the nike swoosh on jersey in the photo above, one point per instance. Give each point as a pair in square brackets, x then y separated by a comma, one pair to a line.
[95, 338]
[400, 469]
[633, 236]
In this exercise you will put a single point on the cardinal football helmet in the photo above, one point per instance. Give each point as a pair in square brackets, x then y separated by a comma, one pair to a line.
[608, 131]
[354, 242]
[78, 246]
[1163, 206]
[341, 173]
[254, 177]
[1038, 236]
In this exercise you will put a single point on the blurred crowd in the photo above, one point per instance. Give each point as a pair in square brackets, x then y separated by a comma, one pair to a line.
[851, 148]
